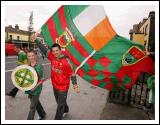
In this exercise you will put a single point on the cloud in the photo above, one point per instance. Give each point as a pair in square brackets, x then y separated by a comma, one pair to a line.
[123, 17]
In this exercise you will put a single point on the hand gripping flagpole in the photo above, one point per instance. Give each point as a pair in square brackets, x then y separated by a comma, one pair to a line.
[34, 36]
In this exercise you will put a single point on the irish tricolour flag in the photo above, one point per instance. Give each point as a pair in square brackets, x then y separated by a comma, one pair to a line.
[98, 53]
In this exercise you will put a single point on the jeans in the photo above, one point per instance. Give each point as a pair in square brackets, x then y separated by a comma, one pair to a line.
[62, 106]
[35, 105]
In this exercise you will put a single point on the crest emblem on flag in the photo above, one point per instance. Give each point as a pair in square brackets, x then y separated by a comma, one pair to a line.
[24, 77]
[132, 56]
[65, 38]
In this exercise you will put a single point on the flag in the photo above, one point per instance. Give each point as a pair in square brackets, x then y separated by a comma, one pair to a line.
[98, 53]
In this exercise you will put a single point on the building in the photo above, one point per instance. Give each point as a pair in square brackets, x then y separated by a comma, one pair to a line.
[144, 32]
[18, 36]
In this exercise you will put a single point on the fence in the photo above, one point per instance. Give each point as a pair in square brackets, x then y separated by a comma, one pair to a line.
[137, 96]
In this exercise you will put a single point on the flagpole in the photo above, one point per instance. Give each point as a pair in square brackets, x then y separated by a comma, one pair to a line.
[84, 61]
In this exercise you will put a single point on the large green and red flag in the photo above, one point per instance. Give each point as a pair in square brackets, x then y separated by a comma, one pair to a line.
[98, 53]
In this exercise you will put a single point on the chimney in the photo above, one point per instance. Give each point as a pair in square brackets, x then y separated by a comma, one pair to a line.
[131, 34]
[151, 14]
[10, 26]
[135, 28]
[16, 27]
[131, 31]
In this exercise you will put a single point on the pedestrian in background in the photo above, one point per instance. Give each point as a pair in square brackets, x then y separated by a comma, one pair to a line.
[22, 59]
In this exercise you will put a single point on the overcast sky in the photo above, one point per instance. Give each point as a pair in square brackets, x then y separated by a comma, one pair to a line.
[122, 17]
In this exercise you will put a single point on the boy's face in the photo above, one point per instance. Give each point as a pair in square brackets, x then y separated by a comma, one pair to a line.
[31, 56]
[56, 51]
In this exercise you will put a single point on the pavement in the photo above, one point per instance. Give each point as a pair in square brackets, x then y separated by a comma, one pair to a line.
[114, 111]
[90, 104]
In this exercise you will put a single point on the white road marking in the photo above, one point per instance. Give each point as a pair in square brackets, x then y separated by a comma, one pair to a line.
[9, 70]
[11, 62]
[11, 57]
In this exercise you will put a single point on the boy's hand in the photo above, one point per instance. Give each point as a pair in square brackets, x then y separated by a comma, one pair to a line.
[147, 53]
[33, 88]
[76, 88]
[34, 36]
[36, 86]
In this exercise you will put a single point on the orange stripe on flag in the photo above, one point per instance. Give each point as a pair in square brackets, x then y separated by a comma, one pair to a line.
[100, 34]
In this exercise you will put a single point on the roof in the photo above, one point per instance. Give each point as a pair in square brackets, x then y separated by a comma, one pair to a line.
[14, 30]
[18, 31]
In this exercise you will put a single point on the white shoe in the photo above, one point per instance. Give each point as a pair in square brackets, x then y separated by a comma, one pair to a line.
[41, 118]
[38, 118]
[64, 114]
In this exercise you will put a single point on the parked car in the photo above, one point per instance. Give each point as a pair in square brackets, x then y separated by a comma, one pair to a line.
[9, 49]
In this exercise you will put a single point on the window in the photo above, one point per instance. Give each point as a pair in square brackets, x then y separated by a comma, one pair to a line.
[146, 29]
[145, 43]
[17, 37]
[10, 37]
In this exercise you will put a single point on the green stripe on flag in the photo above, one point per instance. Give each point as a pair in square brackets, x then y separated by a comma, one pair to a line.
[75, 10]
[114, 79]
[87, 77]
[75, 53]
[57, 23]
[59, 30]
[46, 35]
[100, 77]
[102, 84]
[98, 67]
[126, 80]
[86, 67]
[97, 56]
[113, 67]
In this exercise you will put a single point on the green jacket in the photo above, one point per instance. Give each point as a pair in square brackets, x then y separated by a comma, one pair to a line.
[40, 74]
[151, 86]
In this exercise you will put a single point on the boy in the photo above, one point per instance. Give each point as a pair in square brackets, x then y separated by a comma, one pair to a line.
[34, 94]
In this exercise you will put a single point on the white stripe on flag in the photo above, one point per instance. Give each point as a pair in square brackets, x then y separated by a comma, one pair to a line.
[89, 18]
[84, 61]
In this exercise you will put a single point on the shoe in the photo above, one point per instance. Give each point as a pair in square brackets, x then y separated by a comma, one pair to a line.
[13, 96]
[65, 111]
[64, 114]
[41, 118]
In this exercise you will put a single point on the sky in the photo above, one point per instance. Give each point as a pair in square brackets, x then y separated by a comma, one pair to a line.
[122, 17]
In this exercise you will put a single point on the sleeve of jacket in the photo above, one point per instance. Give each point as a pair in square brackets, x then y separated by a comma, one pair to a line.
[40, 72]
[71, 73]
[42, 48]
